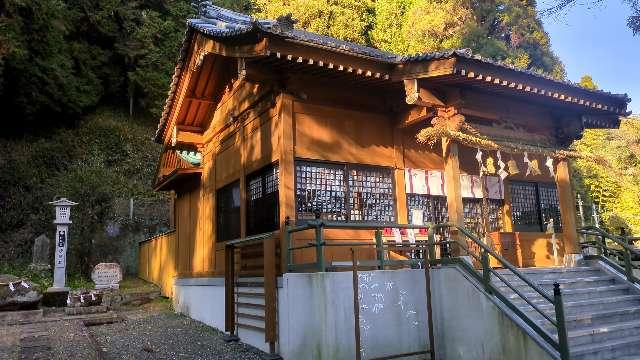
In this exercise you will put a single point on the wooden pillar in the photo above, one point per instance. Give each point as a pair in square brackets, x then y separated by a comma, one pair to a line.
[243, 183]
[401, 194]
[287, 170]
[507, 220]
[172, 210]
[452, 186]
[567, 201]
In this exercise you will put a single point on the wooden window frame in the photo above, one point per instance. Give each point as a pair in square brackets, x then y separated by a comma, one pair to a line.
[221, 211]
[538, 188]
[261, 207]
[346, 168]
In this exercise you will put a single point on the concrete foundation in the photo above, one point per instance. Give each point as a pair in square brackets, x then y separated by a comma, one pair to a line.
[316, 316]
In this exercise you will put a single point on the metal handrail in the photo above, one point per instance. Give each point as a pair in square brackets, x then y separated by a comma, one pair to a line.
[626, 251]
[561, 344]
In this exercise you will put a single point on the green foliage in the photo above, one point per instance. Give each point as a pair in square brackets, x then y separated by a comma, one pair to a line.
[107, 157]
[586, 81]
[615, 187]
[61, 58]
[344, 19]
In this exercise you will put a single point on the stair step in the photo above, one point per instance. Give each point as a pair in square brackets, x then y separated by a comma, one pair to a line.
[603, 318]
[594, 334]
[611, 349]
[547, 284]
[574, 294]
[588, 306]
[553, 273]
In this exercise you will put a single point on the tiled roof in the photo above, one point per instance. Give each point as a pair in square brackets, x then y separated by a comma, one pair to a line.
[218, 22]
[468, 54]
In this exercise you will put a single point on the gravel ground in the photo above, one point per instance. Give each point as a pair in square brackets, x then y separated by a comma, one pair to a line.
[151, 331]
[162, 334]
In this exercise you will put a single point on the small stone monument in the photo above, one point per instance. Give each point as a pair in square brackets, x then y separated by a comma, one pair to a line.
[40, 254]
[107, 275]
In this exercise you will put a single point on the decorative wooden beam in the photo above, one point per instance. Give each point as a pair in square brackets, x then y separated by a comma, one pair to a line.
[187, 135]
[415, 115]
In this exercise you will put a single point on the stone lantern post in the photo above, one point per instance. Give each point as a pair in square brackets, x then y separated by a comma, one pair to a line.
[62, 221]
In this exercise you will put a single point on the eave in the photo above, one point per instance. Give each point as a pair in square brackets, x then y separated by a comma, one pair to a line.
[176, 178]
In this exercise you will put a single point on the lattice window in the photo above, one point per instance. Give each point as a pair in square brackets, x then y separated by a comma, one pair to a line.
[228, 212]
[473, 214]
[532, 205]
[371, 195]
[262, 201]
[434, 208]
[344, 192]
[549, 205]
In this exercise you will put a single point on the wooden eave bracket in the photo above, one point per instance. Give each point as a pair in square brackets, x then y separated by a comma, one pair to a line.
[417, 95]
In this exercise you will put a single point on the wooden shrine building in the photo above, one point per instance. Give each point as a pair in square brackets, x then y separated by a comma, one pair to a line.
[265, 122]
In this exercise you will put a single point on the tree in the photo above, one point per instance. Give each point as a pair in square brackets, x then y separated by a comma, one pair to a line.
[633, 21]
[614, 187]
[506, 30]
[587, 82]
[344, 19]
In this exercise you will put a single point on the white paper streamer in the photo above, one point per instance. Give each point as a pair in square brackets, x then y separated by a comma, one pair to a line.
[93, 296]
[501, 172]
[81, 298]
[68, 300]
[397, 235]
[528, 162]
[479, 158]
[411, 235]
[11, 287]
[24, 284]
[549, 164]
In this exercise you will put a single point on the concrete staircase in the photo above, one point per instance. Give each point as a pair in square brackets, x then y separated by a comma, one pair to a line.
[602, 310]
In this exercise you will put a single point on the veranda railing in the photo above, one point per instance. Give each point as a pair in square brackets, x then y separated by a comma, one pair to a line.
[438, 236]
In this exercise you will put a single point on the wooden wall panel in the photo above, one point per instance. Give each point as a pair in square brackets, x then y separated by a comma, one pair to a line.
[262, 142]
[341, 135]
[228, 162]
[421, 156]
[536, 249]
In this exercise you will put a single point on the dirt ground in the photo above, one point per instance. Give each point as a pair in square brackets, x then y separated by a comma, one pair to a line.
[151, 331]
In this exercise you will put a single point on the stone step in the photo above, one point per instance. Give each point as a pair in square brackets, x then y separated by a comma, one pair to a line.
[602, 318]
[610, 349]
[13, 317]
[588, 306]
[554, 273]
[595, 334]
[573, 294]
[547, 284]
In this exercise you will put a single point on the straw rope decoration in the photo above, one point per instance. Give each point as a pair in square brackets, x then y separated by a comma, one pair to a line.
[455, 128]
